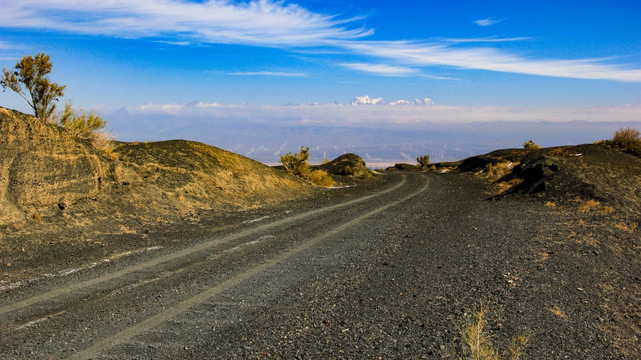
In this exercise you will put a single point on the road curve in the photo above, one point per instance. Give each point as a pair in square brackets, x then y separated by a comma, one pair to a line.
[66, 308]
[391, 272]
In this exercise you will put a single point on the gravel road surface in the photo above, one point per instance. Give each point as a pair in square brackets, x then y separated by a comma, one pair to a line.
[391, 272]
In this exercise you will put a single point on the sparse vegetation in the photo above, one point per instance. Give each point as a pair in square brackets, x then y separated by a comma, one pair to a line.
[423, 162]
[322, 178]
[628, 140]
[82, 124]
[39, 92]
[347, 170]
[478, 344]
[591, 205]
[530, 145]
[296, 164]
[36, 217]
[87, 126]
[498, 170]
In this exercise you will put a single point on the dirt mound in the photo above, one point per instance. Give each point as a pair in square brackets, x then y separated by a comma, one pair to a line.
[481, 162]
[587, 171]
[204, 176]
[403, 167]
[347, 165]
[49, 176]
[42, 167]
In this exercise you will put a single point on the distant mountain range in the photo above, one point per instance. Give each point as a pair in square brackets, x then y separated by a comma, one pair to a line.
[366, 100]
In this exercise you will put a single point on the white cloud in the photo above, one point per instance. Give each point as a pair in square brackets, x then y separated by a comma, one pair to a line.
[268, 73]
[487, 21]
[5, 45]
[381, 69]
[272, 23]
[491, 39]
[485, 58]
[257, 22]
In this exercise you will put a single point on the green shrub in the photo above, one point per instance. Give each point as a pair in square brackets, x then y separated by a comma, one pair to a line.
[296, 164]
[82, 124]
[322, 178]
[530, 145]
[423, 161]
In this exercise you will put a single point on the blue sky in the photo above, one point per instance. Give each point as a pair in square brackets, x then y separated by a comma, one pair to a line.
[478, 61]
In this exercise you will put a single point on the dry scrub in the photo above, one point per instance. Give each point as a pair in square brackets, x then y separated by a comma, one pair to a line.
[478, 344]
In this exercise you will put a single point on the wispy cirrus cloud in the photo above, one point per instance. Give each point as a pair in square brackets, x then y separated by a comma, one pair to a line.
[257, 22]
[268, 73]
[5, 45]
[272, 23]
[381, 69]
[487, 22]
[491, 39]
[491, 59]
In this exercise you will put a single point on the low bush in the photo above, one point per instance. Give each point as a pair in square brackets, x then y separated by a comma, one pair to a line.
[87, 126]
[530, 145]
[82, 124]
[423, 161]
[296, 164]
[347, 171]
[627, 139]
[322, 178]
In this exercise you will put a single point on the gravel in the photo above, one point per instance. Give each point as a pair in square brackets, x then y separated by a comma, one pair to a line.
[391, 276]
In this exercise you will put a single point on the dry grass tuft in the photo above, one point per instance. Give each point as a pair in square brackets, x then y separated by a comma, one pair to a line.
[630, 228]
[501, 176]
[556, 310]
[627, 138]
[322, 178]
[550, 204]
[37, 217]
[478, 345]
[588, 206]
[592, 205]
[560, 152]
[607, 210]
[104, 142]
[499, 170]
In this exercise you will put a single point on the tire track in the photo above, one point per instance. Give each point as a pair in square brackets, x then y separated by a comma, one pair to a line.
[202, 247]
[155, 320]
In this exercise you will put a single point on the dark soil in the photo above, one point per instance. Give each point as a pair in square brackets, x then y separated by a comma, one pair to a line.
[399, 284]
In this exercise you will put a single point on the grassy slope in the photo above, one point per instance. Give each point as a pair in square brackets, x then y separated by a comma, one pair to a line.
[46, 174]
[204, 175]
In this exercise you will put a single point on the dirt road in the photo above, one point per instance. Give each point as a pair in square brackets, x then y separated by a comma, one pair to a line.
[391, 273]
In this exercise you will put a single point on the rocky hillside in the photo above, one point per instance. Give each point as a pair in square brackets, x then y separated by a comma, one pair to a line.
[43, 168]
[46, 174]
[589, 171]
[201, 175]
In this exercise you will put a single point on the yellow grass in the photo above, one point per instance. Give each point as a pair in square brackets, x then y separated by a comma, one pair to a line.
[478, 344]
[557, 311]
[630, 228]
